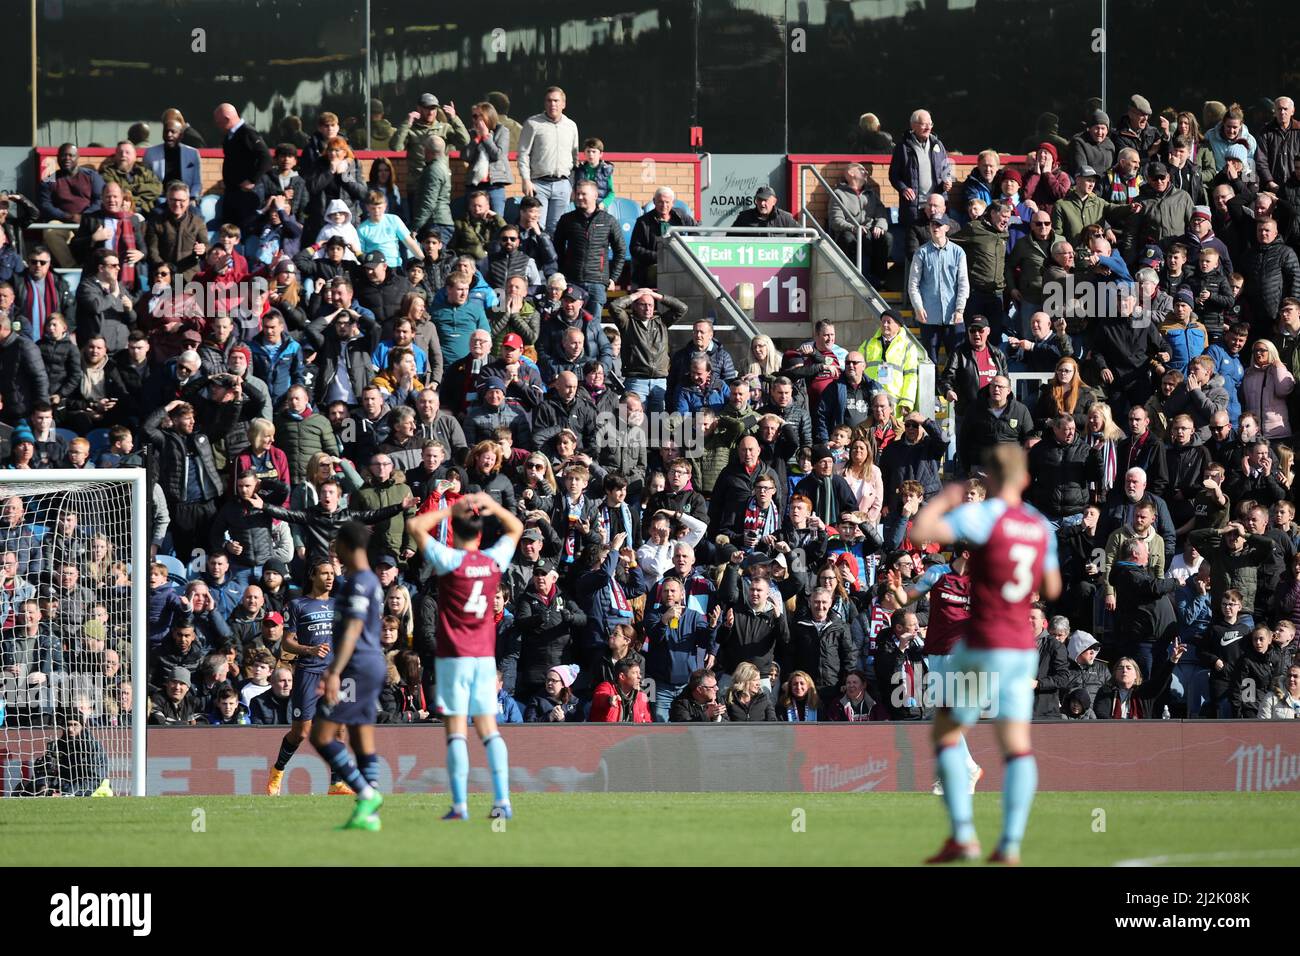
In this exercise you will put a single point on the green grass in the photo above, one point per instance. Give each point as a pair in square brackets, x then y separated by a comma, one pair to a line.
[692, 829]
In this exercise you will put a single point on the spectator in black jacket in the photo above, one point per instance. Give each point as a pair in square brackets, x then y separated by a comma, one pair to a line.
[1144, 613]
[1121, 350]
[1141, 449]
[643, 319]
[271, 708]
[699, 703]
[1053, 670]
[380, 289]
[1127, 696]
[61, 359]
[971, 365]
[764, 213]
[1258, 478]
[246, 161]
[546, 620]
[820, 645]
[583, 238]
[995, 418]
[647, 232]
[759, 623]
[830, 493]
[1062, 464]
[173, 705]
[913, 457]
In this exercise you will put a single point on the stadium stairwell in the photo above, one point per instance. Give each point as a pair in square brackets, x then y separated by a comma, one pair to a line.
[775, 282]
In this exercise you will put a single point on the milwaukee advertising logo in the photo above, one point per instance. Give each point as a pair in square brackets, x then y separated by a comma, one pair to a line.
[1260, 769]
[865, 776]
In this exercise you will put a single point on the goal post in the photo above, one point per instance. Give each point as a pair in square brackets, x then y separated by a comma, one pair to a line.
[74, 545]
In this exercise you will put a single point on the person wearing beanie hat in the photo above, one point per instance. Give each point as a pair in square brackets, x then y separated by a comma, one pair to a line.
[556, 703]
[1185, 337]
[1045, 181]
[1231, 131]
[1093, 146]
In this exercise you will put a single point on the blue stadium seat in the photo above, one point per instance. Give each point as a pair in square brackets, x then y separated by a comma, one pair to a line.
[208, 208]
[176, 572]
[98, 439]
[626, 211]
[511, 214]
[67, 434]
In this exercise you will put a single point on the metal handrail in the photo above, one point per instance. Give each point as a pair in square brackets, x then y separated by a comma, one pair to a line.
[839, 202]
[706, 280]
[708, 230]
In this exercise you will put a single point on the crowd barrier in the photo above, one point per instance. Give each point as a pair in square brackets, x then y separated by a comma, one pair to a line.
[1157, 755]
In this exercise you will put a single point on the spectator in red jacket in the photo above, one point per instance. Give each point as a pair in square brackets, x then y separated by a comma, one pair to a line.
[621, 701]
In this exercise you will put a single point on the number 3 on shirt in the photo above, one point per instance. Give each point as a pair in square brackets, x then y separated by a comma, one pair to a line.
[477, 603]
[1022, 555]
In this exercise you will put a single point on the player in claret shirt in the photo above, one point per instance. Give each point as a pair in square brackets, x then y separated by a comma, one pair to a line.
[1013, 555]
[468, 579]
[949, 588]
[350, 687]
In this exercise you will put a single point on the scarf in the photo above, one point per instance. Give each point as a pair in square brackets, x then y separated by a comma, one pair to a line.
[1135, 709]
[1109, 462]
[624, 518]
[762, 523]
[829, 507]
[571, 536]
[124, 242]
[47, 304]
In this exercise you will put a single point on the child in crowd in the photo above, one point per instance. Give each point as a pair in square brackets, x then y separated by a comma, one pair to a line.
[597, 170]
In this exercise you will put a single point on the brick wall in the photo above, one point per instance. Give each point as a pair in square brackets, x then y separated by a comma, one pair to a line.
[635, 177]
[817, 199]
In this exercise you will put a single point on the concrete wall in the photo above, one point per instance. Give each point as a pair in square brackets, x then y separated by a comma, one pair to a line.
[636, 176]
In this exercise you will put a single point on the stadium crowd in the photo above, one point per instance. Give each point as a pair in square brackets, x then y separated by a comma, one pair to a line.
[347, 350]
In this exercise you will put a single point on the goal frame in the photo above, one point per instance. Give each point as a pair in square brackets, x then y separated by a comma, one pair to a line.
[137, 479]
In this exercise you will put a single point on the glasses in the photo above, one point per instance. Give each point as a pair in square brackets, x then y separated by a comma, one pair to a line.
[38, 262]
[708, 687]
[509, 238]
[911, 425]
[536, 466]
[1043, 223]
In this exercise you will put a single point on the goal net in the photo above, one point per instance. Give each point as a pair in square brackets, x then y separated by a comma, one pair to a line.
[73, 587]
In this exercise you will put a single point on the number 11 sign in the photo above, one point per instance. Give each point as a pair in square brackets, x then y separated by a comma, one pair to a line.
[779, 271]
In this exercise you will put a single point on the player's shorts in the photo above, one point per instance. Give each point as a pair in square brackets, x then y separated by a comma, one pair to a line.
[467, 686]
[359, 687]
[303, 698]
[937, 666]
[998, 682]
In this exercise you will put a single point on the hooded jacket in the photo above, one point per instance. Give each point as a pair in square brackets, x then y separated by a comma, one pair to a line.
[1089, 679]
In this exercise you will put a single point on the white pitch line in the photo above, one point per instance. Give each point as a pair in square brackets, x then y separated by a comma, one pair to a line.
[1182, 858]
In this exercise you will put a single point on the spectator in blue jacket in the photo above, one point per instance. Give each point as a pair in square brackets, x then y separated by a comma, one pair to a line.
[508, 709]
[1227, 363]
[166, 605]
[703, 389]
[846, 402]
[1184, 335]
[920, 166]
[277, 359]
[682, 640]
[1190, 687]
[938, 286]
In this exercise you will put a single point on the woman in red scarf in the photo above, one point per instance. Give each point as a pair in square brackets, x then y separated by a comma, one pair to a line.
[1128, 696]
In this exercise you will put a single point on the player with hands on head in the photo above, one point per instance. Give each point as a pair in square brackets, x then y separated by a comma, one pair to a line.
[465, 654]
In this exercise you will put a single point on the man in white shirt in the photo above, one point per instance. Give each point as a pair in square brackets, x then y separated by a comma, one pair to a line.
[548, 151]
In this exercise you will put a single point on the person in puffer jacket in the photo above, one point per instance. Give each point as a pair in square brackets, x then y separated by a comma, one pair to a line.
[1062, 465]
[746, 700]
[1185, 337]
[1254, 676]
[1086, 673]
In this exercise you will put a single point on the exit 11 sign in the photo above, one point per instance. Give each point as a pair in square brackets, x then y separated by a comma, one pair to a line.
[778, 270]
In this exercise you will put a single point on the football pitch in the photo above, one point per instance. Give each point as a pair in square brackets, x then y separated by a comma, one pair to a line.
[670, 829]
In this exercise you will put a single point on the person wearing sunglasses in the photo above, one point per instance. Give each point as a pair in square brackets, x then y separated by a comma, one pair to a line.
[1265, 390]
[39, 293]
